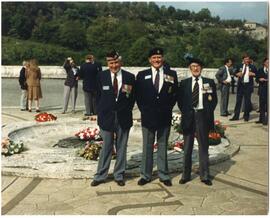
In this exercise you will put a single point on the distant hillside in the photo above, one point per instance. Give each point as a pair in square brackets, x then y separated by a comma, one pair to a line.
[54, 30]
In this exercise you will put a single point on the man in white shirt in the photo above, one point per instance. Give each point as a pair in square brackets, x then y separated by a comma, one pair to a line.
[224, 78]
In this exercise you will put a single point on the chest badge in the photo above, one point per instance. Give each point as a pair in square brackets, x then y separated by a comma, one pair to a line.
[210, 98]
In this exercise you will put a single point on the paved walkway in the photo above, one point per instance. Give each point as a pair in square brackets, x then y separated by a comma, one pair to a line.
[240, 185]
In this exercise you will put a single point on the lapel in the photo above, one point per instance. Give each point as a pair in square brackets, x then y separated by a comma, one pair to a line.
[189, 88]
[150, 80]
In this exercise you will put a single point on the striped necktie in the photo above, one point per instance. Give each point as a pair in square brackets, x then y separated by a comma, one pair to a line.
[195, 93]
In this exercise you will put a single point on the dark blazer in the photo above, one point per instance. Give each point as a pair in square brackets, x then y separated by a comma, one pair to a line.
[22, 79]
[185, 104]
[251, 68]
[107, 104]
[262, 85]
[156, 108]
[88, 72]
[71, 78]
[221, 74]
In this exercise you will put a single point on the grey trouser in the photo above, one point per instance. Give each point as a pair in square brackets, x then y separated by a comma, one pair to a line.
[90, 102]
[147, 156]
[105, 155]
[23, 101]
[72, 92]
[224, 98]
[202, 138]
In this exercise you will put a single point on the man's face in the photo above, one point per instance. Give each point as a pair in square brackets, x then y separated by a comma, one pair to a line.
[114, 65]
[266, 63]
[156, 61]
[229, 64]
[195, 69]
[246, 60]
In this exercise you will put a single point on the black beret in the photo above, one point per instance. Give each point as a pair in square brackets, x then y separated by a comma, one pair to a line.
[195, 60]
[112, 55]
[155, 51]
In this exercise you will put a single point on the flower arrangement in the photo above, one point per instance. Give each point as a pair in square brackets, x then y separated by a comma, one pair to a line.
[44, 117]
[90, 151]
[214, 136]
[10, 147]
[93, 144]
[89, 134]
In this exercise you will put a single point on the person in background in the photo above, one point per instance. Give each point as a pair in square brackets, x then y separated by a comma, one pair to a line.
[245, 73]
[262, 79]
[71, 84]
[224, 78]
[197, 100]
[22, 82]
[88, 73]
[33, 77]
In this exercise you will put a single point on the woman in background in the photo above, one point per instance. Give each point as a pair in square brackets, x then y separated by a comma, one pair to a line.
[33, 77]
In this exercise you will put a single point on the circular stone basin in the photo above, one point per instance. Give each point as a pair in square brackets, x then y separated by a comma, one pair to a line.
[43, 158]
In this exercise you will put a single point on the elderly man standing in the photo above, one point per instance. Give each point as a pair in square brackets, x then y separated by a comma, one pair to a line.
[156, 95]
[224, 78]
[197, 100]
[115, 101]
[22, 82]
[88, 72]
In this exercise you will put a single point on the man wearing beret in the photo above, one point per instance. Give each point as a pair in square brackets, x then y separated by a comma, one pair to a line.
[156, 95]
[197, 100]
[115, 101]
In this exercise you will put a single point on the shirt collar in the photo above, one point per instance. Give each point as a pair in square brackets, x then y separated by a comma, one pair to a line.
[194, 78]
[155, 70]
[118, 73]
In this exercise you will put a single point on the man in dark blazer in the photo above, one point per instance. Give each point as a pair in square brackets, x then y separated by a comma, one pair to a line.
[156, 95]
[262, 79]
[88, 72]
[245, 73]
[115, 101]
[22, 82]
[224, 78]
[197, 100]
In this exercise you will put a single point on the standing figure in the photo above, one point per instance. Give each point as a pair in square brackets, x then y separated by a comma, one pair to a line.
[22, 82]
[33, 77]
[245, 73]
[115, 101]
[156, 90]
[224, 78]
[197, 100]
[88, 72]
[71, 84]
[262, 79]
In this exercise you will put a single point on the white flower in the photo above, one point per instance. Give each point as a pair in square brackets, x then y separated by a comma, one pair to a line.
[16, 150]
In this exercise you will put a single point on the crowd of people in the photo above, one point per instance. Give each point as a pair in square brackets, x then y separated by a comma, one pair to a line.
[112, 93]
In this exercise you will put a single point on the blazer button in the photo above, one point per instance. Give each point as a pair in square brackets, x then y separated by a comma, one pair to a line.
[157, 97]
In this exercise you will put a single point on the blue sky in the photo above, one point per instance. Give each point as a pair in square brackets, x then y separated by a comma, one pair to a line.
[251, 11]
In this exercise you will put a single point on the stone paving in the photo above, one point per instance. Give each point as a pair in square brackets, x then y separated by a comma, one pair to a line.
[240, 184]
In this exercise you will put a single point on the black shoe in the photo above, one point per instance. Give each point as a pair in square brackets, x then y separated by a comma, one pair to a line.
[96, 183]
[207, 182]
[234, 118]
[142, 182]
[37, 110]
[29, 110]
[246, 119]
[166, 182]
[87, 115]
[265, 123]
[120, 182]
[183, 181]
[23, 109]
[223, 115]
[259, 121]
[229, 114]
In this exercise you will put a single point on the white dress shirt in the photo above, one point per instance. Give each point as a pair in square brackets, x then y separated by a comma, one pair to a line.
[161, 76]
[119, 80]
[200, 104]
[229, 78]
[246, 77]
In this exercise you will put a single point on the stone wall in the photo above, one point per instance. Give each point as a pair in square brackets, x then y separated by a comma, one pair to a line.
[58, 72]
